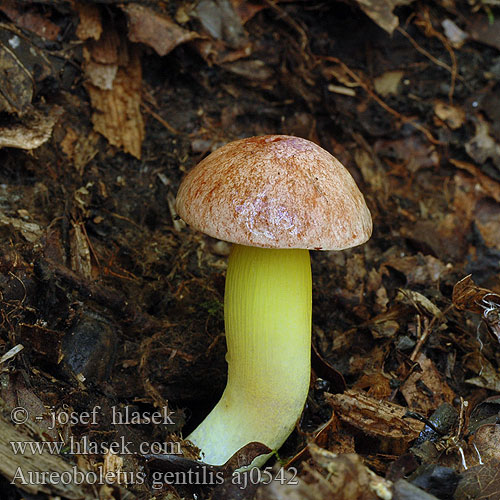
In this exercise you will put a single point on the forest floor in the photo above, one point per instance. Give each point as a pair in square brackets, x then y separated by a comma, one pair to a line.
[109, 303]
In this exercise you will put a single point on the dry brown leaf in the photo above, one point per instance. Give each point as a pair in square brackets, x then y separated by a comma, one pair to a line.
[487, 442]
[246, 9]
[487, 220]
[417, 300]
[484, 30]
[418, 269]
[487, 185]
[380, 11]
[347, 476]
[480, 482]
[453, 116]
[221, 22]
[373, 174]
[30, 19]
[376, 385]
[155, 29]
[482, 146]
[388, 82]
[467, 296]
[425, 390]
[80, 148]
[487, 377]
[23, 65]
[413, 150]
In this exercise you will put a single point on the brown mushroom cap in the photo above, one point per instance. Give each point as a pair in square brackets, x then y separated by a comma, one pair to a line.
[275, 191]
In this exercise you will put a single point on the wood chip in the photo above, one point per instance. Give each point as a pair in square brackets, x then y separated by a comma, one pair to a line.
[375, 417]
[90, 21]
[31, 131]
[117, 111]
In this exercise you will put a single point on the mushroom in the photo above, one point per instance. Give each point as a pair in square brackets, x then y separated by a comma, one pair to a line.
[274, 197]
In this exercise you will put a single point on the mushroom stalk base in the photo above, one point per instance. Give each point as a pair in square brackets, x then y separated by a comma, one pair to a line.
[267, 312]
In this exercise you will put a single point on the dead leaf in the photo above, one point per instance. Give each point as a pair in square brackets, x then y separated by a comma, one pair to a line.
[347, 476]
[221, 22]
[413, 150]
[155, 29]
[384, 329]
[373, 173]
[487, 375]
[388, 83]
[245, 456]
[28, 18]
[481, 482]
[467, 296]
[425, 389]
[79, 147]
[326, 371]
[381, 11]
[487, 442]
[482, 146]
[419, 301]
[16, 393]
[487, 219]
[453, 116]
[246, 9]
[376, 385]
[23, 65]
[488, 185]
[482, 29]
[418, 269]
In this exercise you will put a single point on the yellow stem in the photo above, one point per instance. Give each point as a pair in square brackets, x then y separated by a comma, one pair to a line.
[267, 310]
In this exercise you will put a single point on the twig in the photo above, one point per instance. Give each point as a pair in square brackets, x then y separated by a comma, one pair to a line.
[430, 31]
[380, 102]
[157, 117]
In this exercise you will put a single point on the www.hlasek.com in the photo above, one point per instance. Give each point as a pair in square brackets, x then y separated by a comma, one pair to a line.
[84, 446]
[156, 479]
